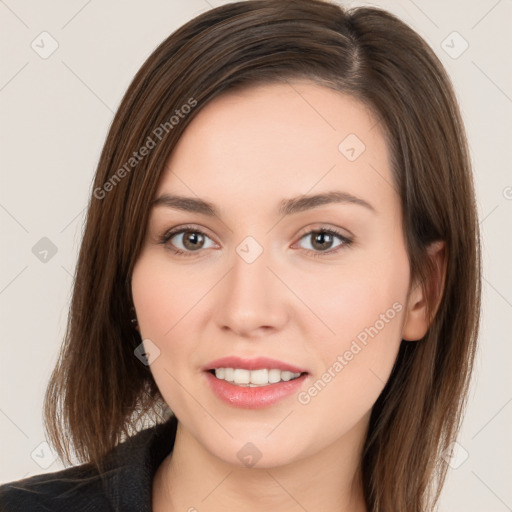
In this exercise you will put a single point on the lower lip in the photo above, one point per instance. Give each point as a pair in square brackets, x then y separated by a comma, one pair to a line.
[246, 397]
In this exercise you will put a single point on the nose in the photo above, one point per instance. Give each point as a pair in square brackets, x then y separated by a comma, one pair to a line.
[252, 301]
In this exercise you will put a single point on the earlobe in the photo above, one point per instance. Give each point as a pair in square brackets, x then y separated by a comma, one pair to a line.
[134, 322]
[424, 300]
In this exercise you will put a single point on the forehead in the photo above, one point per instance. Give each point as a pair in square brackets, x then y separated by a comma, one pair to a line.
[283, 140]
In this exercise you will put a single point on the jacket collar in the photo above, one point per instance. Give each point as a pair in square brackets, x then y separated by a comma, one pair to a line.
[128, 470]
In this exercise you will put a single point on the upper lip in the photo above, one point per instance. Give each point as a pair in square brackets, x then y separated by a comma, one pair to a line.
[258, 363]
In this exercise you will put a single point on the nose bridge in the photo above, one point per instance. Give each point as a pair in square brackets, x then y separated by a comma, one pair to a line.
[252, 296]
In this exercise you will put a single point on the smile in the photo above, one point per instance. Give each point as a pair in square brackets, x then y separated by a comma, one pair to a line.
[253, 383]
[254, 378]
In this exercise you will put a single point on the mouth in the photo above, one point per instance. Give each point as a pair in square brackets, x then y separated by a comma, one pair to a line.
[253, 383]
[255, 378]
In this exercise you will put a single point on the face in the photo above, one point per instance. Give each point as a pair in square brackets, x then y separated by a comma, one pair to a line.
[272, 279]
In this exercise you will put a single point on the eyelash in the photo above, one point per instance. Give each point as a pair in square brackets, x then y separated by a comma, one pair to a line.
[315, 254]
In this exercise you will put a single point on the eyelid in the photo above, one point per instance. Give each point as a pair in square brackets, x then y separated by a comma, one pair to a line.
[172, 232]
[342, 232]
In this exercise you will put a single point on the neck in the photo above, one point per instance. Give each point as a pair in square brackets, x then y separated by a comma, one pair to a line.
[191, 479]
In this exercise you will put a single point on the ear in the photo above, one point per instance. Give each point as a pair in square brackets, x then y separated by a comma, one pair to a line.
[424, 300]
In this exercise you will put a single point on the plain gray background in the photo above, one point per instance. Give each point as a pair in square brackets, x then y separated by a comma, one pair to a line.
[55, 112]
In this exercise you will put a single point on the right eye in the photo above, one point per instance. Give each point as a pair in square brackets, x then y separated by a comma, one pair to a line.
[185, 240]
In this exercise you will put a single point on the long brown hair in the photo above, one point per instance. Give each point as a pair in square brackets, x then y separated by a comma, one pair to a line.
[99, 390]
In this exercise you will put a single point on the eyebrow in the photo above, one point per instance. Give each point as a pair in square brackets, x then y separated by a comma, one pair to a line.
[286, 207]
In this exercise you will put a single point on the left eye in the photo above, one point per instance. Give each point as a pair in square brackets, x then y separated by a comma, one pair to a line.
[322, 240]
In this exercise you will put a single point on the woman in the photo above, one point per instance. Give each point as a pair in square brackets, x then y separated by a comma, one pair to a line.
[282, 255]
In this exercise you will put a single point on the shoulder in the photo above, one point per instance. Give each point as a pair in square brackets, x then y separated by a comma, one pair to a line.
[123, 484]
[53, 491]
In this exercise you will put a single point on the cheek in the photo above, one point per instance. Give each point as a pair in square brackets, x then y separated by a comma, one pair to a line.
[164, 299]
[365, 295]
[365, 307]
[358, 355]
[165, 305]
[152, 300]
[170, 301]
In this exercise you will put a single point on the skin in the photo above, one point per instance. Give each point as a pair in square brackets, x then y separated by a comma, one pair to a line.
[245, 152]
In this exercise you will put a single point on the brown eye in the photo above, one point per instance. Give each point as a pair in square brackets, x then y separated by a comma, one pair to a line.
[192, 240]
[324, 241]
[186, 240]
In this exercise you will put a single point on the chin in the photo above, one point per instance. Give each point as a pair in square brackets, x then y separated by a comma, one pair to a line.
[254, 448]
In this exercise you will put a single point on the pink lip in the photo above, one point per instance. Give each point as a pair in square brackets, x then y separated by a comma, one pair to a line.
[253, 398]
[258, 363]
[247, 397]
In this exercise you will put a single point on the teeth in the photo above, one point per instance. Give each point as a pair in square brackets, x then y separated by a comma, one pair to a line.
[254, 378]
[242, 376]
[274, 376]
[286, 376]
[259, 377]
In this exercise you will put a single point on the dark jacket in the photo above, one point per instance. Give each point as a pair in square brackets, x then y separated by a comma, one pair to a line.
[126, 485]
